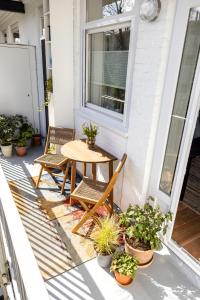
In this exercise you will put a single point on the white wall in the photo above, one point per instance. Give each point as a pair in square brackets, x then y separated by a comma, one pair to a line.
[29, 28]
[151, 47]
[61, 19]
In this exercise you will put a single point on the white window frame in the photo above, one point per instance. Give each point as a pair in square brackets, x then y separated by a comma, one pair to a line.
[119, 121]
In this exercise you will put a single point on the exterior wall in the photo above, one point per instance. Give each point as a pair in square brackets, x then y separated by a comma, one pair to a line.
[62, 61]
[29, 28]
[151, 47]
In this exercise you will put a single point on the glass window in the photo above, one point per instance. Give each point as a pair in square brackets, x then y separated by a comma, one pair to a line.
[182, 98]
[106, 61]
[97, 9]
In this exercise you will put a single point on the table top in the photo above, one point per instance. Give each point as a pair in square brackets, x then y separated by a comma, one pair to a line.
[78, 150]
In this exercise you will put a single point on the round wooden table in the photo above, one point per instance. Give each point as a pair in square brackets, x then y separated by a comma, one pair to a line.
[78, 151]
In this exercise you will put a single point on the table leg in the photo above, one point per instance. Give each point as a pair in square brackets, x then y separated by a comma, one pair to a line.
[94, 171]
[84, 169]
[73, 179]
[110, 176]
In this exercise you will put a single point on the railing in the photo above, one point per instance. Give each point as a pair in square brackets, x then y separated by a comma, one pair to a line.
[26, 279]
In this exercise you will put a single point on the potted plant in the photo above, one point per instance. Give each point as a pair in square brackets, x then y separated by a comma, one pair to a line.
[90, 130]
[26, 132]
[124, 267]
[142, 235]
[36, 138]
[106, 240]
[7, 130]
[21, 147]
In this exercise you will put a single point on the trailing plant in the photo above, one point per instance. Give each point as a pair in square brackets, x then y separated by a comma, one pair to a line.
[7, 130]
[90, 130]
[48, 88]
[106, 237]
[146, 224]
[124, 264]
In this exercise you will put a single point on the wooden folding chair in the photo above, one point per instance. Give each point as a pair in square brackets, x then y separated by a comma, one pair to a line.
[92, 194]
[49, 161]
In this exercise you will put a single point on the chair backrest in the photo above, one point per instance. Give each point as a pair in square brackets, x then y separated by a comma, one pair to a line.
[59, 136]
[114, 177]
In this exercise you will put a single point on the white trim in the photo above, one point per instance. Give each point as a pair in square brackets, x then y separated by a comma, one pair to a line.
[175, 57]
[118, 21]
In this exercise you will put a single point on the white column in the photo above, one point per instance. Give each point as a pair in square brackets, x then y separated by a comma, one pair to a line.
[2, 38]
[10, 39]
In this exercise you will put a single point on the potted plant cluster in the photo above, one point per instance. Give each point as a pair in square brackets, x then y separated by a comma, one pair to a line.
[7, 131]
[143, 227]
[124, 267]
[90, 130]
[15, 130]
[106, 240]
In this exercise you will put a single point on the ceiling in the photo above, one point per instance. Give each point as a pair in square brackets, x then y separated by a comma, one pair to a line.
[7, 17]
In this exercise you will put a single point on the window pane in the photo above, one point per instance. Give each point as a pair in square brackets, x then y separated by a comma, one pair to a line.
[171, 154]
[107, 61]
[181, 102]
[97, 9]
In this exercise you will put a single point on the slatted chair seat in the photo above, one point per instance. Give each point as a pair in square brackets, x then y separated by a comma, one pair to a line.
[92, 194]
[50, 161]
[90, 190]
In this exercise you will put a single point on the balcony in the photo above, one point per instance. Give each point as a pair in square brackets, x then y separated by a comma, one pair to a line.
[46, 262]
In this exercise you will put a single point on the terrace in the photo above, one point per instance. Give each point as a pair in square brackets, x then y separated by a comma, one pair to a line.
[131, 68]
[62, 270]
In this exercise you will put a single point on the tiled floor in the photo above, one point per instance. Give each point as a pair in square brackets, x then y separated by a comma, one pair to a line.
[164, 279]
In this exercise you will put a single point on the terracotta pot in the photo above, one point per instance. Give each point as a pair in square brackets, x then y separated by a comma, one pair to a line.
[37, 140]
[144, 257]
[21, 151]
[6, 150]
[123, 279]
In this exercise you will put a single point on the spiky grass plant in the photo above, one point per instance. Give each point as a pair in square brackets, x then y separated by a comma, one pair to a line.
[106, 237]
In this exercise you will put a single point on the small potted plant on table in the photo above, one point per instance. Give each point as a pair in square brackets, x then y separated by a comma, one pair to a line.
[106, 240]
[124, 267]
[21, 147]
[90, 130]
[7, 130]
[142, 234]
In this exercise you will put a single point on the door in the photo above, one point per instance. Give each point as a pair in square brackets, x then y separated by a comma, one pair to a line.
[180, 107]
[18, 88]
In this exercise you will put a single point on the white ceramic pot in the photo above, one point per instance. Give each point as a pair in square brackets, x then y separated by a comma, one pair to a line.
[7, 150]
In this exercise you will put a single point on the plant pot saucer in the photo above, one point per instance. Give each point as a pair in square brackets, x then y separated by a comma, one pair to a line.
[146, 264]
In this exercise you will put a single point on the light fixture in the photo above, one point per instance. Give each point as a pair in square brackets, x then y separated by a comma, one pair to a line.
[149, 10]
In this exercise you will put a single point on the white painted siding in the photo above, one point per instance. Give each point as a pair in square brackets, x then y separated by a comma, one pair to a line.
[152, 41]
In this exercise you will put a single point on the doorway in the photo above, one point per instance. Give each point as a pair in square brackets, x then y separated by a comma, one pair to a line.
[186, 231]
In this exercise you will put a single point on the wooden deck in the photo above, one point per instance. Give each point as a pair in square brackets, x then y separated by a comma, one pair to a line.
[187, 229]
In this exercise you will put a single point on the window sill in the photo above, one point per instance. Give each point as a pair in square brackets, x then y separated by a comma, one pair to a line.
[115, 125]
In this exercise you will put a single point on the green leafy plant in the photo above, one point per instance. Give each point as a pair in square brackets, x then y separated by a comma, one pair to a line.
[106, 237]
[7, 130]
[26, 131]
[124, 264]
[90, 130]
[145, 226]
[21, 142]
